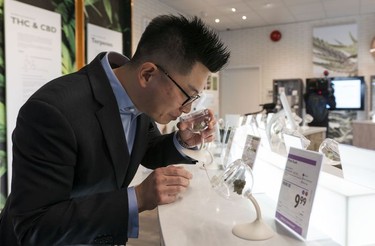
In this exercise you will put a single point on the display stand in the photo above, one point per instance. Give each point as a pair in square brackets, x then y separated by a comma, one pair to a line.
[293, 89]
[342, 210]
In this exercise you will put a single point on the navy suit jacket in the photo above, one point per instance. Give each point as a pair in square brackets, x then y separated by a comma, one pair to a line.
[71, 166]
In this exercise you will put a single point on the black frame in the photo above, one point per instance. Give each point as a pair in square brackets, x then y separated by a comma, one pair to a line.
[363, 91]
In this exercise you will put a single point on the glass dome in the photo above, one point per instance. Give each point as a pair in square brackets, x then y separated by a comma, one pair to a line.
[235, 182]
[330, 150]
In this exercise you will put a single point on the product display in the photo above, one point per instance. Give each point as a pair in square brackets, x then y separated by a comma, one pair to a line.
[293, 91]
[330, 150]
[198, 121]
[237, 182]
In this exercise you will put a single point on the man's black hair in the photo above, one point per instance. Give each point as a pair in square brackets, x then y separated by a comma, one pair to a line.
[177, 42]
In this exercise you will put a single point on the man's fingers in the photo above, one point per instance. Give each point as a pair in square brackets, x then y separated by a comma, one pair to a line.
[182, 126]
[162, 186]
[175, 171]
[177, 181]
[170, 180]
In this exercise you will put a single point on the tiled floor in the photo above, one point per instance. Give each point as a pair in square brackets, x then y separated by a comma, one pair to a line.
[149, 232]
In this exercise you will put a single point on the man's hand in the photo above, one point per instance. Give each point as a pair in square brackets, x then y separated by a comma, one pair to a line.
[193, 139]
[162, 186]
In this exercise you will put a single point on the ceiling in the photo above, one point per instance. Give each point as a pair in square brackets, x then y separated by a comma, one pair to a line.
[268, 12]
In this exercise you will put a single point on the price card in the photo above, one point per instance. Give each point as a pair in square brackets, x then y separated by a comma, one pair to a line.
[241, 145]
[250, 150]
[298, 189]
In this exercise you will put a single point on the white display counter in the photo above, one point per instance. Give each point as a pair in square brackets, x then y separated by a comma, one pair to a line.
[202, 217]
[343, 211]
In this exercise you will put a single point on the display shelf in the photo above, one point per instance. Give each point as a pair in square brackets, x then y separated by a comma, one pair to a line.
[343, 210]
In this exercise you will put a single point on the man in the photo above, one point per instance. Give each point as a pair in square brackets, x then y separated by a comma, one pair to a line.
[79, 140]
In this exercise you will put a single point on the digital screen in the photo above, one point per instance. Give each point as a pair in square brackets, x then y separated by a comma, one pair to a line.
[349, 93]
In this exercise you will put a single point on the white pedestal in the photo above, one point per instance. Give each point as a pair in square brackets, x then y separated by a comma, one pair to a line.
[342, 210]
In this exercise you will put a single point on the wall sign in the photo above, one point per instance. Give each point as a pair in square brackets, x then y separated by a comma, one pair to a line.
[33, 56]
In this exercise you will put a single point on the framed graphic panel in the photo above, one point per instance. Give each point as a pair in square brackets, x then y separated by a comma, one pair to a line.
[335, 50]
[114, 15]
[33, 57]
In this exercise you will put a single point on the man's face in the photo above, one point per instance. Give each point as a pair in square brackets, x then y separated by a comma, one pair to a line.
[176, 92]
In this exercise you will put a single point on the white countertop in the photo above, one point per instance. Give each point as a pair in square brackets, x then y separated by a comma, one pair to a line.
[370, 122]
[202, 217]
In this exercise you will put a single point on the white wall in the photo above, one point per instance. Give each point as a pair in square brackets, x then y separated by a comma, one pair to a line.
[143, 11]
[291, 57]
[240, 90]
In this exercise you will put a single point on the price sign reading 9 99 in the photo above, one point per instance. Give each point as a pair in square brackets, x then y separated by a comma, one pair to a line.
[300, 199]
[297, 190]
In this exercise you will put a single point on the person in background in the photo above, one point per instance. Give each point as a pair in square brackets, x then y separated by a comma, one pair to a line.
[319, 97]
[79, 139]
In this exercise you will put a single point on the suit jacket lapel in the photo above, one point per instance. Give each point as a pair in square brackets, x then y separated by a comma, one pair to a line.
[109, 119]
[115, 139]
[139, 148]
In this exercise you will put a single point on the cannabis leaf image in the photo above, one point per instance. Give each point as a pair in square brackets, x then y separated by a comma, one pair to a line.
[337, 57]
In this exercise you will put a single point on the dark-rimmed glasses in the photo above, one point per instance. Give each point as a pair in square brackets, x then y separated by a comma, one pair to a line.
[189, 99]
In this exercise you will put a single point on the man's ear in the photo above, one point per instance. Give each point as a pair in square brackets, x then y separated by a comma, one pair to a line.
[145, 72]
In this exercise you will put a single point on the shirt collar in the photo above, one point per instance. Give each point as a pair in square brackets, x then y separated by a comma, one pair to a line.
[113, 60]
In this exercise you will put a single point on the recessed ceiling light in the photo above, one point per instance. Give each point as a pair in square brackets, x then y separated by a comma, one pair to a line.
[244, 17]
[234, 9]
[268, 5]
[217, 20]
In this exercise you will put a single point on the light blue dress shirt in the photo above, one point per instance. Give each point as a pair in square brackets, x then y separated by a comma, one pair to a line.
[128, 114]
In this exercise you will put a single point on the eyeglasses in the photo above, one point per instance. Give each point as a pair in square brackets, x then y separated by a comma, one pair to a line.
[189, 99]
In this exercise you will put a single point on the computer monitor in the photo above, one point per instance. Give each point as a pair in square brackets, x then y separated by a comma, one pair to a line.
[349, 92]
